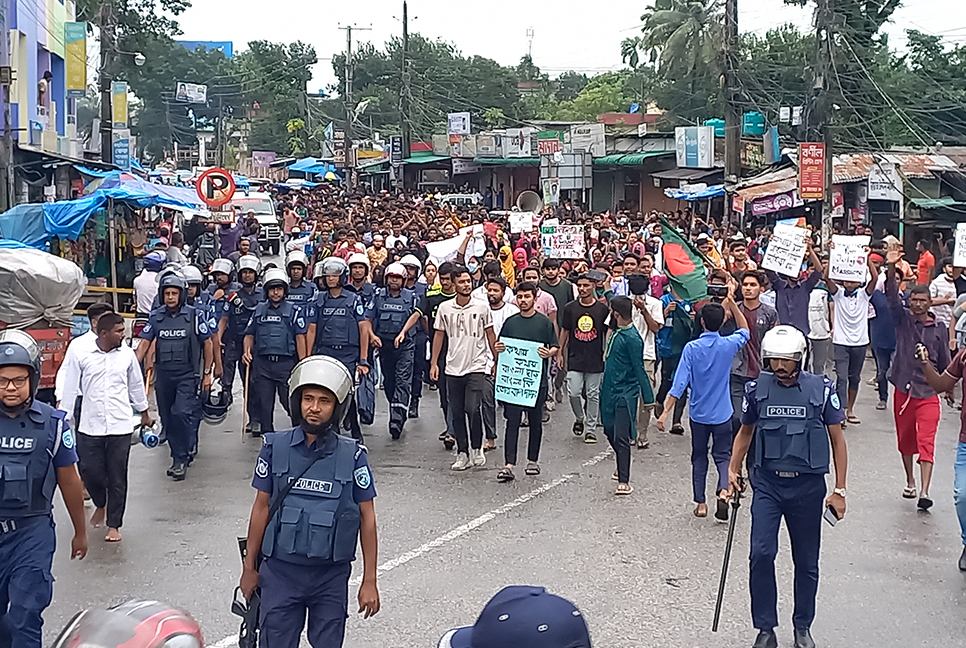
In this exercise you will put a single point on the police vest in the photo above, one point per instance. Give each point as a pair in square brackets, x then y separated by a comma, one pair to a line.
[318, 522]
[367, 292]
[301, 294]
[791, 434]
[391, 312]
[336, 320]
[177, 348]
[273, 330]
[27, 473]
[241, 305]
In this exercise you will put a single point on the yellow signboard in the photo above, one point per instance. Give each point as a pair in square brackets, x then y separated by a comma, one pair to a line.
[119, 103]
[75, 37]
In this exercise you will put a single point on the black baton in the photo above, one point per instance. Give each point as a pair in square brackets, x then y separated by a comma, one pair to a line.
[735, 504]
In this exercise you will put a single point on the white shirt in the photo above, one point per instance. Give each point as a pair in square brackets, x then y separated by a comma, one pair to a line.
[656, 310]
[851, 317]
[820, 327]
[392, 238]
[78, 346]
[465, 327]
[499, 316]
[145, 290]
[111, 383]
[942, 288]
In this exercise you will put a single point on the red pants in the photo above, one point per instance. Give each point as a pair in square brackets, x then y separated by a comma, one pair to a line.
[916, 422]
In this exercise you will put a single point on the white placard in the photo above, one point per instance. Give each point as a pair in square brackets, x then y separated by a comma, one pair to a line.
[786, 250]
[521, 222]
[563, 241]
[959, 254]
[847, 259]
[446, 249]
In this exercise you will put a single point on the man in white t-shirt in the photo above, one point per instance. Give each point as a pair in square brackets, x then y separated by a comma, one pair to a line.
[850, 333]
[499, 310]
[820, 315]
[467, 326]
[648, 318]
[942, 290]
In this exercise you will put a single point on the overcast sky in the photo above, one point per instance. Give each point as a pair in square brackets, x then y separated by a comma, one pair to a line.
[587, 41]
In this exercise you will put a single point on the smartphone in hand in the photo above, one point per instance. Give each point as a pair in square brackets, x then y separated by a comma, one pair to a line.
[830, 515]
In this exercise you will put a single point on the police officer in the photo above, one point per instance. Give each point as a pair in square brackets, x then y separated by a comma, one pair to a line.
[300, 292]
[788, 417]
[394, 314]
[421, 338]
[36, 456]
[183, 357]
[337, 323]
[314, 501]
[359, 277]
[274, 342]
[237, 311]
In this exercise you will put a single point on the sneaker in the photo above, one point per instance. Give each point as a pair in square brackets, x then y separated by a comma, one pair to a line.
[170, 471]
[479, 459]
[578, 428]
[413, 411]
[590, 437]
[179, 471]
[881, 405]
[872, 382]
[395, 432]
[462, 462]
[550, 405]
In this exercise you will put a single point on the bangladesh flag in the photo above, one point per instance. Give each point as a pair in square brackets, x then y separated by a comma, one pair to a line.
[683, 264]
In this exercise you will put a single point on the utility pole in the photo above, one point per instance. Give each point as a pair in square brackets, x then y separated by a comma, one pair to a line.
[6, 152]
[221, 131]
[732, 157]
[823, 112]
[405, 93]
[349, 108]
[106, 25]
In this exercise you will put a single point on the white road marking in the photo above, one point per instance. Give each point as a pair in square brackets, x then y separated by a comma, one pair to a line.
[456, 533]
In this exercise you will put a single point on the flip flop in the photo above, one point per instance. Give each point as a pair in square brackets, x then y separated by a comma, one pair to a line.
[909, 493]
[853, 420]
[642, 444]
[624, 489]
[489, 448]
[677, 429]
[532, 469]
[505, 475]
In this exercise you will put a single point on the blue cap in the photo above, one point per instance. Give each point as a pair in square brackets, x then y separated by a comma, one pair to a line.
[521, 615]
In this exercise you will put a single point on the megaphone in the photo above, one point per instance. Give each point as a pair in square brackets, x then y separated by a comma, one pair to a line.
[530, 201]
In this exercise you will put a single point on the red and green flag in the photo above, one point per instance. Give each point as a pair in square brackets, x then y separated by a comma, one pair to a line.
[683, 264]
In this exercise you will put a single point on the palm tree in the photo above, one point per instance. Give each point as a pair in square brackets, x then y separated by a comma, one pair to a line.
[679, 36]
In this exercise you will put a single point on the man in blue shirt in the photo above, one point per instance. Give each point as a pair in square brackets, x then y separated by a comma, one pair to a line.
[706, 366]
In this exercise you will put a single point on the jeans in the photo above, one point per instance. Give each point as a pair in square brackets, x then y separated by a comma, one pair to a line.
[489, 407]
[821, 350]
[465, 398]
[719, 438]
[668, 367]
[619, 437]
[737, 398]
[883, 360]
[579, 382]
[848, 369]
[959, 488]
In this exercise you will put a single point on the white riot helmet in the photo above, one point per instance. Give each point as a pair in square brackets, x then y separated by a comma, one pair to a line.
[411, 261]
[332, 267]
[396, 269]
[785, 342]
[223, 266]
[359, 257]
[192, 275]
[274, 277]
[296, 256]
[325, 372]
[249, 262]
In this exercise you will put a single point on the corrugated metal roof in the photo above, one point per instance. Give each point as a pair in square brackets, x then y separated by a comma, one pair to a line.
[769, 189]
[855, 167]
[936, 203]
[686, 174]
[522, 161]
[628, 159]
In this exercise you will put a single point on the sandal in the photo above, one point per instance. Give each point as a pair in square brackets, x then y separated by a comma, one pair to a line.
[624, 489]
[677, 428]
[505, 475]
[853, 419]
[909, 493]
[699, 513]
[449, 442]
[487, 448]
[532, 469]
[642, 444]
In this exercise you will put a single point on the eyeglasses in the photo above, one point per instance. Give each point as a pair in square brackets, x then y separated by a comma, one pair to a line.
[17, 383]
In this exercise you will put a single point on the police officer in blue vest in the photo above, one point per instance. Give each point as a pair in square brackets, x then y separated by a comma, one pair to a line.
[788, 418]
[359, 277]
[314, 501]
[274, 342]
[184, 359]
[337, 322]
[300, 292]
[36, 456]
[239, 305]
[421, 336]
[394, 313]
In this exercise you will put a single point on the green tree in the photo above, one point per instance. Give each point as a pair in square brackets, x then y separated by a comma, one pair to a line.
[679, 36]
[604, 93]
[569, 84]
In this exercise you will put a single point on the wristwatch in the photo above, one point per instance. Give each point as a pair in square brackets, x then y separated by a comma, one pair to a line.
[209, 370]
[839, 491]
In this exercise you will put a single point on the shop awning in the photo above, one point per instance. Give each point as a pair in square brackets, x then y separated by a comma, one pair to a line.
[521, 161]
[424, 159]
[936, 203]
[629, 159]
[768, 189]
[688, 175]
[698, 194]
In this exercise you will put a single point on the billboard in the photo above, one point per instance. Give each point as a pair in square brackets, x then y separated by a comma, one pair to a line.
[588, 137]
[694, 147]
[458, 123]
[191, 93]
[811, 170]
[518, 142]
[121, 145]
[225, 47]
[119, 103]
[75, 61]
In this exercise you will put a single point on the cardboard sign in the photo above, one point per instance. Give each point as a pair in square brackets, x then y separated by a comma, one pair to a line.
[786, 250]
[848, 260]
[519, 369]
[959, 254]
[521, 222]
[563, 241]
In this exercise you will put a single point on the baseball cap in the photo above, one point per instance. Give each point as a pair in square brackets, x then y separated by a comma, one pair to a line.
[702, 237]
[522, 615]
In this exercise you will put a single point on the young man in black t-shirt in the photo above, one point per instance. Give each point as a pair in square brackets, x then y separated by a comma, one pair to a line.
[583, 331]
[563, 292]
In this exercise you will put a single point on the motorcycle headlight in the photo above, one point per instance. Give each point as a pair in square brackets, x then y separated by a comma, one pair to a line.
[182, 641]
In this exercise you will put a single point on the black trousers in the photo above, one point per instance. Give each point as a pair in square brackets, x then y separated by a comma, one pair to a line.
[103, 467]
[270, 376]
[514, 414]
[465, 399]
[489, 408]
[668, 367]
[619, 437]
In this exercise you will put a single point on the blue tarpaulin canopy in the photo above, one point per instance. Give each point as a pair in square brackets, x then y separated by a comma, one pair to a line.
[691, 195]
[312, 165]
[94, 173]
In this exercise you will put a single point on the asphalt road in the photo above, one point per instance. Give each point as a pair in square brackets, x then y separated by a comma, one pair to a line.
[642, 569]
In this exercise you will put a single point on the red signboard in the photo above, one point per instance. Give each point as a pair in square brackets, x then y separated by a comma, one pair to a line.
[549, 146]
[811, 171]
[215, 187]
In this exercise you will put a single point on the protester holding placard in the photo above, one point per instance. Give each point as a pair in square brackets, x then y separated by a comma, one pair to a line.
[820, 307]
[792, 293]
[850, 333]
[882, 334]
[942, 291]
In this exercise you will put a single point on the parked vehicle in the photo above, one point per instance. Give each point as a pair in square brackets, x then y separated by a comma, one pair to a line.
[270, 232]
